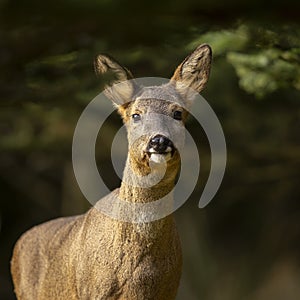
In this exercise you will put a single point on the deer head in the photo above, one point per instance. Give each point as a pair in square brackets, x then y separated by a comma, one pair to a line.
[155, 116]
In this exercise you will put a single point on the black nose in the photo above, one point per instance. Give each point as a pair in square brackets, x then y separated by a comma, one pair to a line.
[160, 144]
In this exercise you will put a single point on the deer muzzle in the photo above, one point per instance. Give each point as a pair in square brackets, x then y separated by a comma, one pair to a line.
[160, 149]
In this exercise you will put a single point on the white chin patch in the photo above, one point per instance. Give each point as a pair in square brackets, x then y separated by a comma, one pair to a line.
[160, 158]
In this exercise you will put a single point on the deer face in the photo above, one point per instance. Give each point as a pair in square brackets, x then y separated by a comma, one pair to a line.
[155, 132]
[155, 116]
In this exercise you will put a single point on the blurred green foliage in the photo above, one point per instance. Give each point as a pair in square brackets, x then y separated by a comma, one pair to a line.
[245, 244]
[265, 60]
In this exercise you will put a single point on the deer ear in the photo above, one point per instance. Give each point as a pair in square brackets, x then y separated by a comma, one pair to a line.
[192, 74]
[120, 87]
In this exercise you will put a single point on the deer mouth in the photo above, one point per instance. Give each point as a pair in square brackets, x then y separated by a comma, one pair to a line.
[160, 158]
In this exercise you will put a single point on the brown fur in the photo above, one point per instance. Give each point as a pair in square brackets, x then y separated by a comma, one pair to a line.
[93, 256]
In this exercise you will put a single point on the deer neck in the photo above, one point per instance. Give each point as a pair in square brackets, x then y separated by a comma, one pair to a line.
[143, 184]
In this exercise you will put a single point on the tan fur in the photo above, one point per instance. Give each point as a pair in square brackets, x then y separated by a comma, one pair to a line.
[93, 256]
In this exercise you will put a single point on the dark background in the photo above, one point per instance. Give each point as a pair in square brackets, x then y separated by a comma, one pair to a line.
[246, 243]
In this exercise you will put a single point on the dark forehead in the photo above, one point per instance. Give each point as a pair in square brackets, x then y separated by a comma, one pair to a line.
[164, 92]
[153, 105]
[159, 99]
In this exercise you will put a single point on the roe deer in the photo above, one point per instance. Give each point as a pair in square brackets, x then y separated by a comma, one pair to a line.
[94, 256]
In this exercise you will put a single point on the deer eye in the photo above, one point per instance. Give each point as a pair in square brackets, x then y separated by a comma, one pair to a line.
[177, 115]
[136, 117]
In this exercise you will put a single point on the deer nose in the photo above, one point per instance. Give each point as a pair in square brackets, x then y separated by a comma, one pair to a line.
[160, 144]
